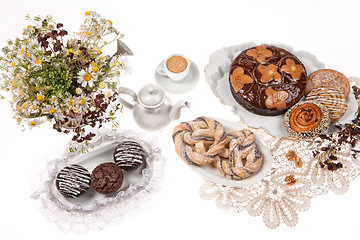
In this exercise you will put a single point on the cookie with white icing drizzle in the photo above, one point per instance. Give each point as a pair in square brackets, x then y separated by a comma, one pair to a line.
[73, 181]
[129, 155]
[332, 99]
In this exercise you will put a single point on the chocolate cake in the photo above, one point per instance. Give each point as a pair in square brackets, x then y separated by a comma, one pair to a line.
[267, 80]
[129, 155]
[73, 181]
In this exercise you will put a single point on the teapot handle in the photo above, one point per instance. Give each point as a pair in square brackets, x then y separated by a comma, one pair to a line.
[131, 93]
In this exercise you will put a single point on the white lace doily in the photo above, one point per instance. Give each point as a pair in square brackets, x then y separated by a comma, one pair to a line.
[72, 216]
[277, 200]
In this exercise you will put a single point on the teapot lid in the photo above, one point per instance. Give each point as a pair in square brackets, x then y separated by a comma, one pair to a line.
[151, 95]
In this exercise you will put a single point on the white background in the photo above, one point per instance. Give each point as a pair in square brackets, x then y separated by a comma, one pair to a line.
[153, 30]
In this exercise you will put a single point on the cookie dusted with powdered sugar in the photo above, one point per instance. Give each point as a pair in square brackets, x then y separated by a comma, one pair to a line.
[129, 155]
[73, 181]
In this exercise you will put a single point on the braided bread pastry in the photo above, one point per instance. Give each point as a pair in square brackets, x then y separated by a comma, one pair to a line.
[241, 158]
[199, 142]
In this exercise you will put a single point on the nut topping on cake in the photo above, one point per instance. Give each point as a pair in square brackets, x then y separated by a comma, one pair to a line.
[260, 53]
[276, 99]
[238, 78]
[295, 70]
[269, 72]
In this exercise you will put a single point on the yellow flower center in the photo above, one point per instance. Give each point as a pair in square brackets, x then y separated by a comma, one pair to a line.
[29, 26]
[28, 55]
[87, 77]
[13, 83]
[71, 101]
[40, 97]
[22, 51]
[70, 50]
[34, 107]
[37, 88]
[25, 105]
[88, 33]
[53, 99]
[21, 93]
[81, 101]
[19, 119]
[99, 52]
[93, 64]
[111, 23]
[52, 111]
[95, 69]
[87, 13]
[13, 64]
[18, 107]
[37, 61]
[32, 123]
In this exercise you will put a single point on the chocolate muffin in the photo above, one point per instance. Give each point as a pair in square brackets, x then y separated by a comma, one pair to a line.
[106, 178]
[267, 80]
[129, 155]
[73, 181]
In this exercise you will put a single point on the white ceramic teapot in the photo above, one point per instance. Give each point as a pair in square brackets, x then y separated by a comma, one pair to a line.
[152, 110]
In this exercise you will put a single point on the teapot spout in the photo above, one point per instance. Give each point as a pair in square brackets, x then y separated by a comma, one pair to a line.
[174, 113]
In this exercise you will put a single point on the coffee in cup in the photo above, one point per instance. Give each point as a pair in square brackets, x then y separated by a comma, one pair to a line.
[176, 64]
[176, 67]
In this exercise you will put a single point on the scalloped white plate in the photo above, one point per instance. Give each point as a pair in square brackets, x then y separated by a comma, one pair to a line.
[212, 174]
[217, 75]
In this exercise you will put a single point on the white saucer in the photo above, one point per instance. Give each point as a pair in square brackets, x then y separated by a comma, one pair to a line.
[189, 82]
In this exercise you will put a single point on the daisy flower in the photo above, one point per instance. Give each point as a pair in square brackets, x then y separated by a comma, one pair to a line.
[83, 103]
[34, 122]
[85, 78]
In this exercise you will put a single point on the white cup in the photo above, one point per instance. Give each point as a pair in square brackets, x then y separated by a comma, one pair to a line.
[174, 76]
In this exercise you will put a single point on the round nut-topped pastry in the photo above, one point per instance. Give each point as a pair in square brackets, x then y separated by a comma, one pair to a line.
[307, 119]
[267, 80]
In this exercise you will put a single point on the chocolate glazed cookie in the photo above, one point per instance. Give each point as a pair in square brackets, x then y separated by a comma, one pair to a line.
[106, 178]
[73, 181]
[267, 80]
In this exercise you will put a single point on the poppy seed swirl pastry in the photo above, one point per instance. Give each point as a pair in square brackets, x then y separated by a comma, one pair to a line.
[307, 119]
[199, 142]
[267, 80]
[242, 158]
